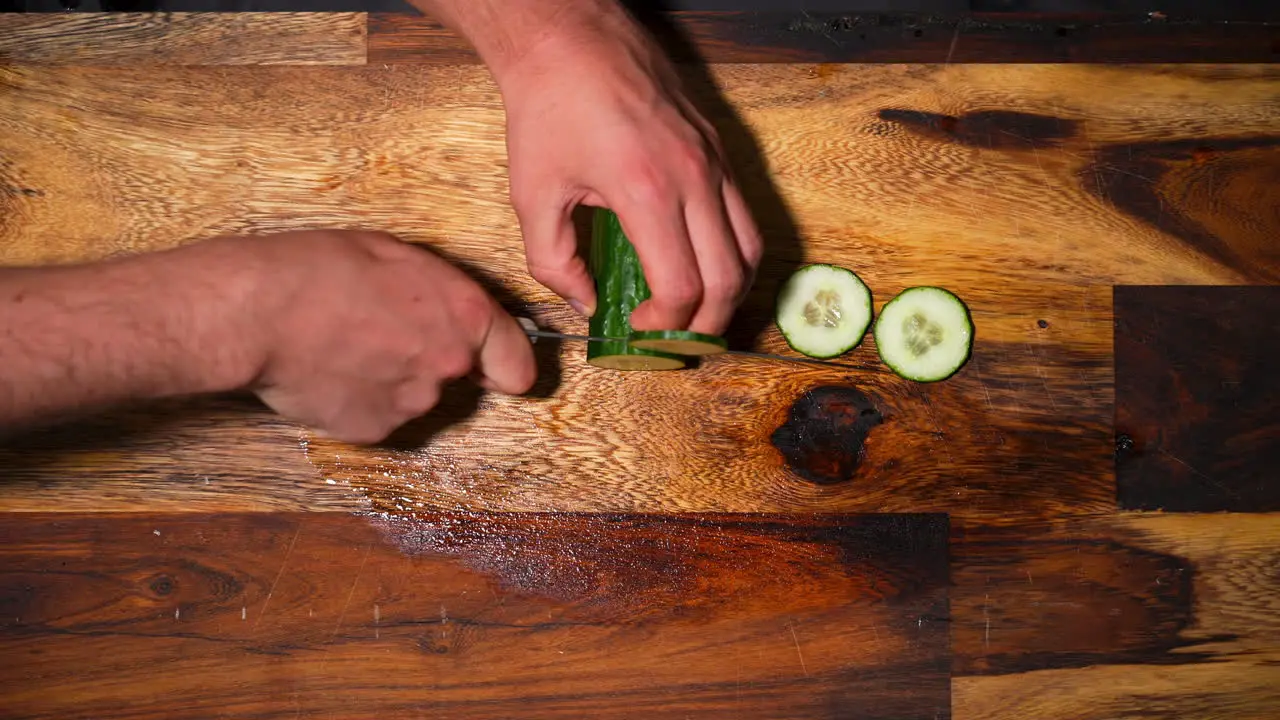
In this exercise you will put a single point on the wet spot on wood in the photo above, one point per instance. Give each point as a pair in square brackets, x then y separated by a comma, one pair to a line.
[822, 439]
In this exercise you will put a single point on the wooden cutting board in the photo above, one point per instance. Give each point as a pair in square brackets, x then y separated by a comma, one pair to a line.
[1004, 525]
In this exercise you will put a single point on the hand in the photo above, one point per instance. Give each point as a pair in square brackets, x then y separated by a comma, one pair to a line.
[598, 118]
[360, 332]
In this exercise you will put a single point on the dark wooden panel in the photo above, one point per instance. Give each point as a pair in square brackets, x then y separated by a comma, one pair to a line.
[767, 37]
[1152, 615]
[1197, 398]
[477, 615]
[183, 38]
[1036, 597]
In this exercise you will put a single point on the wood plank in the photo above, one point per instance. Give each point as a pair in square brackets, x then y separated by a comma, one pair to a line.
[1000, 182]
[183, 38]
[1157, 616]
[279, 615]
[198, 455]
[808, 37]
[1197, 402]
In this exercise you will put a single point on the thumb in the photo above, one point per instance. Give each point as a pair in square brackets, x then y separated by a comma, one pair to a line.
[551, 252]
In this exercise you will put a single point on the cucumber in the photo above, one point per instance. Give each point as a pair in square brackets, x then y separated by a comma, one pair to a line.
[620, 287]
[823, 310]
[680, 342]
[924, 334]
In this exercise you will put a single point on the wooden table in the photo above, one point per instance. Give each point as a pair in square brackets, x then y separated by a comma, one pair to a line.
[1081, 524]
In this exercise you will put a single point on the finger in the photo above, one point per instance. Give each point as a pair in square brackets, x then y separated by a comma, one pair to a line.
[747, 233]
[551, 252]
[661, 241]
[506, 361]
[719, 262]
[416, 397]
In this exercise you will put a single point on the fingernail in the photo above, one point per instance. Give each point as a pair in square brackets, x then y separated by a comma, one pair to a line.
[578, 307]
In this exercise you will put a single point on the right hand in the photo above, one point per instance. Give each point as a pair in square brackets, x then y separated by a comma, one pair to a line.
[360, 332]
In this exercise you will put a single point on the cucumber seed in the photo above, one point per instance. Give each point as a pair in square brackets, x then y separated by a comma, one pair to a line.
[823, 310]
[920, 334]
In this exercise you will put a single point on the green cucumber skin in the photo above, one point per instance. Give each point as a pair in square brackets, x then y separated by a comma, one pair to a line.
[620, 287]
[902, 372]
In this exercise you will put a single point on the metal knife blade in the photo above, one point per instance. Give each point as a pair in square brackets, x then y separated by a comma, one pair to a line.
[532, 332]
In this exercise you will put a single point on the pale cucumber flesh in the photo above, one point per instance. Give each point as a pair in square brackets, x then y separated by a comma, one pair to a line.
[924, 334]
[823, 310]
[679, 342]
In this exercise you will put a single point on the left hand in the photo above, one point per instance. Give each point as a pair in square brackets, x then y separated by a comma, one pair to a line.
[599, 118]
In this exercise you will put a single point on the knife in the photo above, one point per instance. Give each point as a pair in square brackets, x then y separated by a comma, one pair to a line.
[533, 331]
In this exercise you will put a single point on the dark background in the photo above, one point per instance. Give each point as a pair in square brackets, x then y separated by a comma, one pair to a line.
[1190, 9]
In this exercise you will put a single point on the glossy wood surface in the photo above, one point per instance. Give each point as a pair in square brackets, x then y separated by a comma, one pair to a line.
[1038, 192]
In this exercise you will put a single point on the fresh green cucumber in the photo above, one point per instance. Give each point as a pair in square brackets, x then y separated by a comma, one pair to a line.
[924, 334]
[679, 342]
[620, 287]
[823, 310]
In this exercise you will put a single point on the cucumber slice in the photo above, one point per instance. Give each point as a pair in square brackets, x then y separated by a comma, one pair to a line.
[924, 334]
[620, 287]
[680, 342]
[823, 310]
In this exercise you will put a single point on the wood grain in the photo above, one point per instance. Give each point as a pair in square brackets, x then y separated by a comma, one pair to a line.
[802, 37]
[279, 615]
[141, 39]
[1197, 402]
[1031, 190]
[981, 178]
[1074, 638]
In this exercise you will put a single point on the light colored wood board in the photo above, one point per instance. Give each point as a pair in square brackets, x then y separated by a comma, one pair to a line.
[109, 161]
[210, 455]
[996, 441]
[1226, 663]
[183, 38]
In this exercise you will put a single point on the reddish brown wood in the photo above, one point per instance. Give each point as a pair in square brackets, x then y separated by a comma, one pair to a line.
[478, 615]
[781, 37]
[1197, 398]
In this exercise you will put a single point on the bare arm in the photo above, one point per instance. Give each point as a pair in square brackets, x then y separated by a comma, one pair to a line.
[349, 333]
[79, 337]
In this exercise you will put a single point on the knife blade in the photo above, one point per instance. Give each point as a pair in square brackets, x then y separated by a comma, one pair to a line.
[533, 331]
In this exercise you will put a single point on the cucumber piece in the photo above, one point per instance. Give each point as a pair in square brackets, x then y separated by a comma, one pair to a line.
[620, 287]
[823, 310]
[680, 342]
[924, 334]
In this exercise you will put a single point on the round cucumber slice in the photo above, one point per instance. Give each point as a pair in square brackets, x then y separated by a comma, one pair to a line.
[678, 342]
[823, 310]
[924, 334]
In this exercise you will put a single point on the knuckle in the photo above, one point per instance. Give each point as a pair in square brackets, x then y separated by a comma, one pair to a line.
[544, 273]
[415, 400]
[685, 292]
[648, 186]
[472, 307]
[725, 285]
[453, 362]
[693, 162]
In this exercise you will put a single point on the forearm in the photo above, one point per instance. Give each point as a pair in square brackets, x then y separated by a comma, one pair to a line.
[74, 338]
[504, 31]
